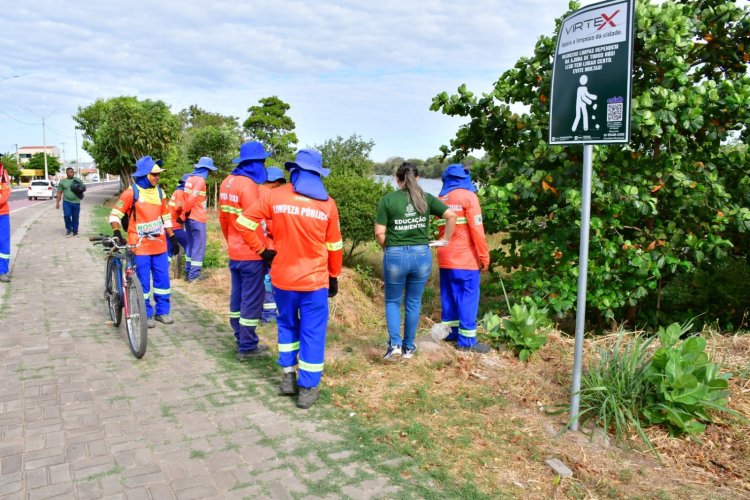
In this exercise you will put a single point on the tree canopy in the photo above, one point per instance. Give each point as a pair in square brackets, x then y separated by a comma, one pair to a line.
[269, 124]
[118, 131]
[36, 162]
[662, 206]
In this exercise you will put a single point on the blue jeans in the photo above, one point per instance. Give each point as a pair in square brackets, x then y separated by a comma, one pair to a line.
[405, 268]
[70, 214]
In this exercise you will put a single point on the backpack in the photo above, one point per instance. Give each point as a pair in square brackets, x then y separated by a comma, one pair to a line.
[131, 213]
[78, 188]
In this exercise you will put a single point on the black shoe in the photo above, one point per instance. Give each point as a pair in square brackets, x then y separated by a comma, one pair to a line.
[478, 348]
[288, 386]
[307, 397]
[258, 351]
[5, 278]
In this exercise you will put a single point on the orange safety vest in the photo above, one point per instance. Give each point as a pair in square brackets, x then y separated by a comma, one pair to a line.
[5, 191]
[306, 236]
[467, 248]
[175, 207]
[236, 194]
[151, 215]
[195, 198]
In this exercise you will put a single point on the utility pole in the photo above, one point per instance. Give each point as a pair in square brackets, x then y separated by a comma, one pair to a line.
[78, 163]
[44, 139]
[18, 165]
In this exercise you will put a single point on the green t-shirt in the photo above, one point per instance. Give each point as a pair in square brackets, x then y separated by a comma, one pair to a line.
[404, 226]
[68, 194]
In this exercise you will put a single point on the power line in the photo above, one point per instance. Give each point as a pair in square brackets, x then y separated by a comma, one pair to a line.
[19, 121]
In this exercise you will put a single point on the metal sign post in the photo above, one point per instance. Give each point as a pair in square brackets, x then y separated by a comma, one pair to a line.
[590, 104]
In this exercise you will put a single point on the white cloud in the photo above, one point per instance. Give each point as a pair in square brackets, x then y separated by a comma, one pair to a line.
[345, 66]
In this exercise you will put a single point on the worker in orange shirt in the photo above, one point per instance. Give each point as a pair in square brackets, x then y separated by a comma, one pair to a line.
[5, 190]
[175, 210]
[275, 179]
[238, 192]
[305, 272]
[148, 216]
[194, 217]
[461, 261]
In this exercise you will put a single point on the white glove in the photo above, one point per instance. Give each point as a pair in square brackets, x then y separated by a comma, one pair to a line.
[439, 243]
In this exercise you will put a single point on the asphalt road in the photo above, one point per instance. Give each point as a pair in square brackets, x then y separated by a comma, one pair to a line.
[20, 193]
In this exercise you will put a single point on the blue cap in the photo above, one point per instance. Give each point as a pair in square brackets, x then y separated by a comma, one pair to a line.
[310, 160]
[147, 165]
[251, 151]
[205, 162]
[275, 174]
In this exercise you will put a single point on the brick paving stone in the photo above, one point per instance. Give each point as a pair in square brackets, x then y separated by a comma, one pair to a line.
[81, 418]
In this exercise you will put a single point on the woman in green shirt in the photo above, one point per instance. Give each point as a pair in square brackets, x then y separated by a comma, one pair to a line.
[401, 228]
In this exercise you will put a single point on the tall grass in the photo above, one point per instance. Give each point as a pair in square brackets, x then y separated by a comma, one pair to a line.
[614, 390]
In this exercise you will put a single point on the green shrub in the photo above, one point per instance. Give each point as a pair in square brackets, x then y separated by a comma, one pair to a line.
[357, 199]
[614, 389]
[215, 255]
[525, 331]
[677, 386]
[686, 384]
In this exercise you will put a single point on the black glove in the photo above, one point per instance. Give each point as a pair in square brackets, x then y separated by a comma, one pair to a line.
[118, 237]
[175, 244]
[268, 256]
[333, 287]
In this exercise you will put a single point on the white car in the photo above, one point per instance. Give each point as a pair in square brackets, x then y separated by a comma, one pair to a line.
[42, 189]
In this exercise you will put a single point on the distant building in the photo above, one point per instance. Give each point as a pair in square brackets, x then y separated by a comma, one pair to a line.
[25, 153]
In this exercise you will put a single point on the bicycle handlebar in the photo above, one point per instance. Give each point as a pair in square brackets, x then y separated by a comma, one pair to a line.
[111, 241]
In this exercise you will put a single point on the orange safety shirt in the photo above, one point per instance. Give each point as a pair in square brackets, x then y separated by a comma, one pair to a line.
[467, 248]
[306, 236]
[151, 216]
[195, 198]
[5, 191]
[236, 194]
[175, 207]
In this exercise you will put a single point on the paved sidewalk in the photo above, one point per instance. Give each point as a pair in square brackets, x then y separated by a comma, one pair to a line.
[81, 418]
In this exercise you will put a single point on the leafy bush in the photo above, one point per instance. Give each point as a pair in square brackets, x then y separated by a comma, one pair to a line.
[614, 390]
[357, 199]
[525, 331]
[671, 198]
[677, 386]
[686, 384]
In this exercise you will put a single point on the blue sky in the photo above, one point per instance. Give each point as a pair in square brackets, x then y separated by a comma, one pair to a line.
[345, 67]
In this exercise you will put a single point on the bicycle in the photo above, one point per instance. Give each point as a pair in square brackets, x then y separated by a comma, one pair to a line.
[123, 292]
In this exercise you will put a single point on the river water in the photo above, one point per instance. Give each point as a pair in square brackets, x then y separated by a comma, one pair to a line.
[431, 186]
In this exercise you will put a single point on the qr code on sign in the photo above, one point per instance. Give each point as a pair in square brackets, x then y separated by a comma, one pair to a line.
[614, 112]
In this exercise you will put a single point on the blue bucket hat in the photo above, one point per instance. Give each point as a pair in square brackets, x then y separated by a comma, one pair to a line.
[310, 160]
[456, 170]
[147, 165]
[275, 174]
[205, 162]
[251, 151]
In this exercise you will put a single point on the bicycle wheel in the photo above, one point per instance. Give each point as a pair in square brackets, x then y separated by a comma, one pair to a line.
[112, 290]
[136, 321]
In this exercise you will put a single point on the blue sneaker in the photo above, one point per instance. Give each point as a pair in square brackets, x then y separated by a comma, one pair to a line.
[409, 352]
[393, 353]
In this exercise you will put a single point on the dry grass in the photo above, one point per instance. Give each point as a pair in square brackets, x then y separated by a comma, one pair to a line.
[484, 419]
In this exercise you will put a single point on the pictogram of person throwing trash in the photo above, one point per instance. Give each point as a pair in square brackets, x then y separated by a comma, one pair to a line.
[583, 98]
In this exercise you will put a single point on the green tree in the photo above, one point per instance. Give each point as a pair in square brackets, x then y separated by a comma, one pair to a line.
[118, 131]
[36, 162]
[661, 205]
[197, 117]
[357, 199]
[10, 164]
[269, 124]
[347, 157]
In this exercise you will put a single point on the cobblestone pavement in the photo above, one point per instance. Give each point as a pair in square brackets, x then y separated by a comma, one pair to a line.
[81, 418]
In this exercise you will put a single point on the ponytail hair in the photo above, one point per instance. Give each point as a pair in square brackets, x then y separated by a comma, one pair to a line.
[408, 173]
